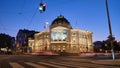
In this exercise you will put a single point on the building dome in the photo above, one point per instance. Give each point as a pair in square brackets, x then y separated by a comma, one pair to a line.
[60, 21]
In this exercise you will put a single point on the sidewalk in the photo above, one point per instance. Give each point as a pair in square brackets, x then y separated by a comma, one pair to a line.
[115, 62]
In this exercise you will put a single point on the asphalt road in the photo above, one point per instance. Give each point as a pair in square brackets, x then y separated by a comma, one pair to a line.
[28, 61]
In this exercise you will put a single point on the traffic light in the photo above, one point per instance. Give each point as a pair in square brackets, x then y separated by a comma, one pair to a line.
[42, 7]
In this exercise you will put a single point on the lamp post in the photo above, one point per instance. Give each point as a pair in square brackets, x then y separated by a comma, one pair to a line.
[110, 31]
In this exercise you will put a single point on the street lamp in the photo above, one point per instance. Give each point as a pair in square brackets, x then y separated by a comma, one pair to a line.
[110, 31]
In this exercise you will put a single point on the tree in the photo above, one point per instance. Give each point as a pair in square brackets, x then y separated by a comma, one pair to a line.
[5, 41]
[106, 45]
[116, 46]
[97, 46]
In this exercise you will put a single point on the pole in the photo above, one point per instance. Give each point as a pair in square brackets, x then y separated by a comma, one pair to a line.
[110, 31]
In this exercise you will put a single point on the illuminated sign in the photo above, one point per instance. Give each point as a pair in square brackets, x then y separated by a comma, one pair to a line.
[59, 35]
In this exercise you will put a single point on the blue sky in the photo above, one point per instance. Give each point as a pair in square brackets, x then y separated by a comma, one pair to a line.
[89, 14]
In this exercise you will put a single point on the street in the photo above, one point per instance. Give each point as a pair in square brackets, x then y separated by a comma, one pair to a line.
[29, 61]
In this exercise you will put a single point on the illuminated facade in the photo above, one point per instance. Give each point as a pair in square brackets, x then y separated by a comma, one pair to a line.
[61, 37]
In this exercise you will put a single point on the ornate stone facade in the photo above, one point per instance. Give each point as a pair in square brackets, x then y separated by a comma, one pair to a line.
[61, 37]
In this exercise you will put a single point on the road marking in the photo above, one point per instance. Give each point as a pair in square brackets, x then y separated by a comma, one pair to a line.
[52, 65]
[34, 65]
[16, 65]
[65, 64]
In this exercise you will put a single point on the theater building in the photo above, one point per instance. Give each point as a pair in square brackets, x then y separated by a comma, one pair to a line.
[61, 37]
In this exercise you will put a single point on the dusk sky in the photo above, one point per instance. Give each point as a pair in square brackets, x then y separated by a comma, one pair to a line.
[89, 15]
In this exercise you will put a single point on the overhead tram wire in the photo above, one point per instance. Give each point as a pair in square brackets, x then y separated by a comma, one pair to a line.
[34, 14]
[3, 27]
[32, 17]
[21, 9]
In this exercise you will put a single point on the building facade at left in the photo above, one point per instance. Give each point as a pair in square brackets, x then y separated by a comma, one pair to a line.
[22, 39]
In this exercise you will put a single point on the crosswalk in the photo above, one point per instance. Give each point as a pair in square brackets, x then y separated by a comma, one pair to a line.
[40, 65]
[30, 64]
[67, 62]
[35, 65]
[57, 66]
[15, 65]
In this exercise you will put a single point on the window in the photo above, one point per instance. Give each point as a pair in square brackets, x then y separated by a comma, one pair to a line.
[74, 34]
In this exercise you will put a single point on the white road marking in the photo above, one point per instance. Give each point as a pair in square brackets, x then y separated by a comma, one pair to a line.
[66, 64]
[16, 65]
[34, 65]
[58, 66]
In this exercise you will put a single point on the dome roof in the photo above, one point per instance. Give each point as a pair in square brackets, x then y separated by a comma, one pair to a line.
[60, 21]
